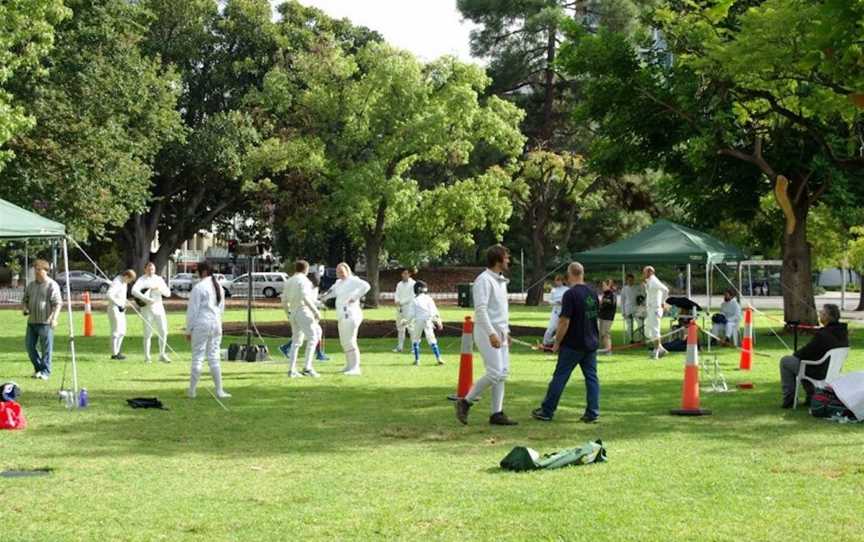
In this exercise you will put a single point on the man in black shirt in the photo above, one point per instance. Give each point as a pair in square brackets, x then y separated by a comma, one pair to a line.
[576, 342]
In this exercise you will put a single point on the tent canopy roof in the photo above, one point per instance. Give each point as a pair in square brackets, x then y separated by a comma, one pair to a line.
[18, 223]
[664, 242]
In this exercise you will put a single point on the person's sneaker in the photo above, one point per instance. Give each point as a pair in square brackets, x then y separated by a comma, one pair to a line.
[589, 419]
[191, 393]
[416, 363]
[662, 352]
[788, 402]
[320, 356]
[286, 349]
[538, 414]
[294, 374]
[439, 362]
[397, 350]
[164, 359]
[499, 418]
[462, 408]
[353, 372]
[35, 375]
[223, 394]
[311, 373]
[42, 376]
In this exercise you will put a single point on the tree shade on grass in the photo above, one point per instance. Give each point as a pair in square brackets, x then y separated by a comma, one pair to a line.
[382, 457]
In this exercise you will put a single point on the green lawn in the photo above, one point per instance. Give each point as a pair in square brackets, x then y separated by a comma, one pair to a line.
[382, 457]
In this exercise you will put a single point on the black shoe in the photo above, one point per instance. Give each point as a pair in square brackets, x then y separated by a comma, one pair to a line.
[462, 408]
[538, 414]
[589, 419]
[788, 402]
[119, 357]
[499, 418]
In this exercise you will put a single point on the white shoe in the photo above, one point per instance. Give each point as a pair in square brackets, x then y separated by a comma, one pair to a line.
[41, 376]
[663, 352]
[353, 372]
[311, 372]
[397, 350]
[191, 393]
[294, 374]
[164, 359]
[36, 374]
[223, 394]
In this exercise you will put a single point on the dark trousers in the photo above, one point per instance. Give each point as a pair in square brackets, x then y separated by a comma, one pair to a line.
[43, 336]
[568, 359]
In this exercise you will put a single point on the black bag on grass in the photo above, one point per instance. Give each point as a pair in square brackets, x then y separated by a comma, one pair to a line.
[146, 402]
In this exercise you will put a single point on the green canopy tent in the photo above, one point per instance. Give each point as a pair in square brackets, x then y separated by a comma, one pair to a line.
[665, 242]
[17, 224]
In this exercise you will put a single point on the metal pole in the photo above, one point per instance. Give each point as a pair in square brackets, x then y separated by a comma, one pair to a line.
[249, 307]
[26, 261]
[689, 281]
[843, 289]
[750, 280]
[71, 324]
[708, 283]
[740, 281]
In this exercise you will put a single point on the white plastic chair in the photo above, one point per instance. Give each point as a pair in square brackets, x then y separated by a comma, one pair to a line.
[836, 356]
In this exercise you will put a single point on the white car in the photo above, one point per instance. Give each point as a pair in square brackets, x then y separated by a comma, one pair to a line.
[183, 282]
[263, 285]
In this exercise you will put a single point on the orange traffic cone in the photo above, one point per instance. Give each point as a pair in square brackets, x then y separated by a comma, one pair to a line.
[747, 348]
[690, 391]
[88, 316]
[466, 361]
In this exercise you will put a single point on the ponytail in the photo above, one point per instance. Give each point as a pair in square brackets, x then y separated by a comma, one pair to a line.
[217, 288]
[204, 269]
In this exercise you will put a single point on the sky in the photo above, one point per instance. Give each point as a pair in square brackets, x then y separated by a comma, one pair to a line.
[427, 28]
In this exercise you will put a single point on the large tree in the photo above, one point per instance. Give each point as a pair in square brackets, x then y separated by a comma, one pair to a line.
[102, 112]
[398, 137]
[746, 108]
[26, 35]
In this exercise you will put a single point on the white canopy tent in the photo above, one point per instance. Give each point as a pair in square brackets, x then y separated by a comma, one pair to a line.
[17, 224]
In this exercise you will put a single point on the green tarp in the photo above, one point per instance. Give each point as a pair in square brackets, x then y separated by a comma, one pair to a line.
[18, 223]
[662, 243]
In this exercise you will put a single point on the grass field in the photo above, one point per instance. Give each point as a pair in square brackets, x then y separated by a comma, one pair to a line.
[382, 457]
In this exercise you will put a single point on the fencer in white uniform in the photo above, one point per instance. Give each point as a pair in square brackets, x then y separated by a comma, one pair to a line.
[629, 305]
[491, 335]
[731, 311]
[348, 291]
[555, 298]
[204, 329]
[299, 301]
[150, 288]
[423, 317]
[117, 302]
[403, 299]
[655, 298]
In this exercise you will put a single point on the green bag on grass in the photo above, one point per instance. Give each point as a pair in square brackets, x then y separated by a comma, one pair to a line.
[521, 458]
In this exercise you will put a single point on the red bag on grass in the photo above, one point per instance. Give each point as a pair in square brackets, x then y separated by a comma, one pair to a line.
[11, 416]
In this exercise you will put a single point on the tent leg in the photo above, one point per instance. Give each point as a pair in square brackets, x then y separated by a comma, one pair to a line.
[689, 281]
[708, 284]
[740, 282]
[26, 261]
[71, 324]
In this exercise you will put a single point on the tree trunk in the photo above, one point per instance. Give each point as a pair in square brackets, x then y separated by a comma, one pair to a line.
[373, 255]
[137, 236]
[861, 283]
[796, 276]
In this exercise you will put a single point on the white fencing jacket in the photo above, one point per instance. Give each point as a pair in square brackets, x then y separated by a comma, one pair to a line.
[629, 293]
[299, 297]
[117, 292]
[203, 311]
[556, 297]
[348, 293]
[655, 293]
[731, 310]
[423, 309]
[491, 311]
[156, 290]
[404, 292]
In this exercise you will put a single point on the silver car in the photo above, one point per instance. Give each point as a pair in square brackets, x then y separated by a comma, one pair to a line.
[83, 281]
[263, 285]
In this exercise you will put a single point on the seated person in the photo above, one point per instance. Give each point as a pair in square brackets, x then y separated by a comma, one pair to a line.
[725, 323]
[832, 334]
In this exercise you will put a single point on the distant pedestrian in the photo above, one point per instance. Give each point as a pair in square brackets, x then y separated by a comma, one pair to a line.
[42, 304]
[608, 308]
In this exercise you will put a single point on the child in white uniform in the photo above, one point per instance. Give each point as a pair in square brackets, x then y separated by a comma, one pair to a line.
[423, 316]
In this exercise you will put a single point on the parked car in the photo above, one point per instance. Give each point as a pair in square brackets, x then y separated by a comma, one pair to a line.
[263, 285]
[183, 282]
[83, 281]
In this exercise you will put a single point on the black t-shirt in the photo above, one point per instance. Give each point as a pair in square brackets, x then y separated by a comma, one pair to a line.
[580, 306]
[608, 305]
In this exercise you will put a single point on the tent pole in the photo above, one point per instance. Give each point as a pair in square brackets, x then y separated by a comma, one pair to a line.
[740, 281]
[71, 323]
[26, 261]
[708, 283]
[689, 281]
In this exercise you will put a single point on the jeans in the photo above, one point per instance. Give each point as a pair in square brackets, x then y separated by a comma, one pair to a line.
[568, 359]
[43, 334]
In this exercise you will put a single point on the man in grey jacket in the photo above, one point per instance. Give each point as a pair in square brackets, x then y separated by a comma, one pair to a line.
[42, 304]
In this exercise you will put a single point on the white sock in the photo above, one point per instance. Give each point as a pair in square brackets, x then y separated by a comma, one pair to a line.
[216, 373]
[497, 397]
[479, 387]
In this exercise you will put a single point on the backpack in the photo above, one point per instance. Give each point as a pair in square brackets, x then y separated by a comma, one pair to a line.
[146, 402]
[11, 416]
[521, 458]
[825, 404]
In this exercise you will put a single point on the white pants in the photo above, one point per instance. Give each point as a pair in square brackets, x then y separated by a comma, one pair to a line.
[497, 364]
[348, 328]
[117, 319]
[206, 343]
[552, 328]
[304, 327]
[401, 324]
[419, 328]
[729, 330]
[652, 324]
[154, 323]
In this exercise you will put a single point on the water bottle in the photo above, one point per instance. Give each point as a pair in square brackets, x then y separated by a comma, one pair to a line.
[67, 399]
[83, 398]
